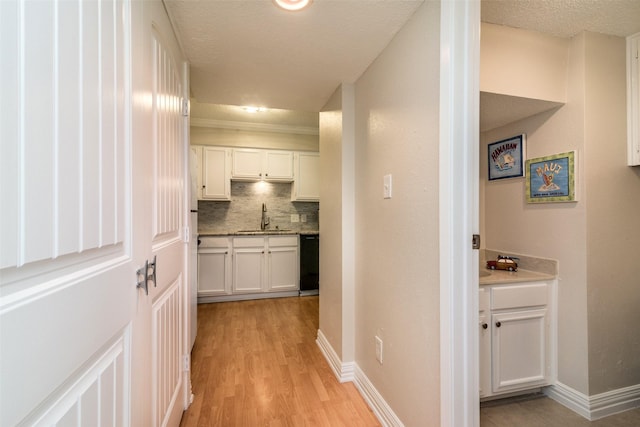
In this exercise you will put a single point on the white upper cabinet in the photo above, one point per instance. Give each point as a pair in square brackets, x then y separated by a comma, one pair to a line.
[633, 99]
[216, 173]
[267, 165]
[306, 183]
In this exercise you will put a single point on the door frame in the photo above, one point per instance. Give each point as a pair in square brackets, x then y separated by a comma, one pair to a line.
[459, 212]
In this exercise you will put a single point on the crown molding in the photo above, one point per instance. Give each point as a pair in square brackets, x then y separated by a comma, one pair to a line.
[253, 127]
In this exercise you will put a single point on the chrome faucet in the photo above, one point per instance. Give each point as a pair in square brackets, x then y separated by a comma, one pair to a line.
[264, 222]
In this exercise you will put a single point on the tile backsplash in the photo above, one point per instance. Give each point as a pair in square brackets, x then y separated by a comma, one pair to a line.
[244, 211]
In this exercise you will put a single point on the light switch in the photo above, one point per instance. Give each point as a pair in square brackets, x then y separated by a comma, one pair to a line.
[387, 186]
[295, 218]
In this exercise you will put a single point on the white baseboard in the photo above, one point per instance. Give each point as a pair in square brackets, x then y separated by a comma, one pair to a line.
[346, 372]
[376, 402]
[342, 371]
[596, 406]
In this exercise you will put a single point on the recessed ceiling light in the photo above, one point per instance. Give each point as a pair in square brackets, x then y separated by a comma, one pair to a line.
[249, 109]
[292, 4]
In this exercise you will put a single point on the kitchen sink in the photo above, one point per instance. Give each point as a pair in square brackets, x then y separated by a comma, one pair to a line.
[274, 231]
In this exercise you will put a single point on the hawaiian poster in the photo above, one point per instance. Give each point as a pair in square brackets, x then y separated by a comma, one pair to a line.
[506, 158]
[551, 178]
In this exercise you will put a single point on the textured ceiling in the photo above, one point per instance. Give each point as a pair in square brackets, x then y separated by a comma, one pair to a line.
[565, 18]
[252, 53]
[248, 52]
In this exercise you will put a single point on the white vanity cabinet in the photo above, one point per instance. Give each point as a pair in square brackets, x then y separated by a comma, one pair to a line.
[214, 266]
[306, 181]
[484, 342]
[519, 321]
[269, 165]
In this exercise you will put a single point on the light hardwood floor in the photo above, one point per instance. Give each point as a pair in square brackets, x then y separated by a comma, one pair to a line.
[256, 363]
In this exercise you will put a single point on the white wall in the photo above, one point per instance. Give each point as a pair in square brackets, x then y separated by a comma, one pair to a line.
[397, 246]
[331, 165]
[613, 227]
[595, 348]
[538, 59]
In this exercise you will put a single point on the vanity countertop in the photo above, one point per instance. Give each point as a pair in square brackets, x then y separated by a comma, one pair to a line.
[496, 277]
[530, 269]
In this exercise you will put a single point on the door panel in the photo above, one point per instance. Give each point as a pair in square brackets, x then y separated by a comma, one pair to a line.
[66, 270]
[92, 167]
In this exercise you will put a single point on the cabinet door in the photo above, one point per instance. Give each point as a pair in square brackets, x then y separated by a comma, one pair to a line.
[519, 350]
[213, 272]
[247, 164]
[248, 270]
[306, 185]
[216, 177]
[283, 269]
[278, 166]
[484, 343]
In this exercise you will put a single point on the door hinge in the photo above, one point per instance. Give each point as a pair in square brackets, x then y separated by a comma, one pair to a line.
[475, 241]
[186, 363]
[185, 107]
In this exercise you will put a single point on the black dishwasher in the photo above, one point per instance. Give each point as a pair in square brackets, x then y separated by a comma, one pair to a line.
[309, 264]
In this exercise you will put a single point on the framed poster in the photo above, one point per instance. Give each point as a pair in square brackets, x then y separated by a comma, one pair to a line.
[506, 158]
[551, 178]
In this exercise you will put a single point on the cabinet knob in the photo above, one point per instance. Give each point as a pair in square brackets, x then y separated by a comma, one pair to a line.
[498, 324]
[485, 326]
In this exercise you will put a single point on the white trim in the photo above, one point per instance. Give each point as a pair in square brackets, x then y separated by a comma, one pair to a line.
[342, 371]
[253, 127]
[458, 202]
[351, 372]
[596, 406]
[376, 402]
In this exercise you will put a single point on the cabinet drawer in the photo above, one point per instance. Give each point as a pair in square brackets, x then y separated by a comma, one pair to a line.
[283, 241]
[531, 295]
[213, 242]
[248, 242]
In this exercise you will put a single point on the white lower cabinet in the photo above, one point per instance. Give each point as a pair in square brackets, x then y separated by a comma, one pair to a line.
[282, 264]
[247, 267]
[516, 338]
[248, 264]
[214, 266]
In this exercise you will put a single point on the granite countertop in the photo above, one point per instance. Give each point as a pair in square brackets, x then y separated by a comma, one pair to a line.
[530, 269]
[258, 233]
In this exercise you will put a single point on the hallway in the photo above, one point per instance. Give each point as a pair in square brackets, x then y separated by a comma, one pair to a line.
[256, 363]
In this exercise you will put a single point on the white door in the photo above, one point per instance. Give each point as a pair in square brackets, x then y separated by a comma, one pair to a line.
[88, 196]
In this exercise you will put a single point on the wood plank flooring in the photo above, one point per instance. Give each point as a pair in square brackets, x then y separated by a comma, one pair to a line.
[256, 363]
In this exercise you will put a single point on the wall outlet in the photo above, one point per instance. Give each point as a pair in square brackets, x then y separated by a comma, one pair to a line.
[295, 218]
[303, 218]
[379, 350]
